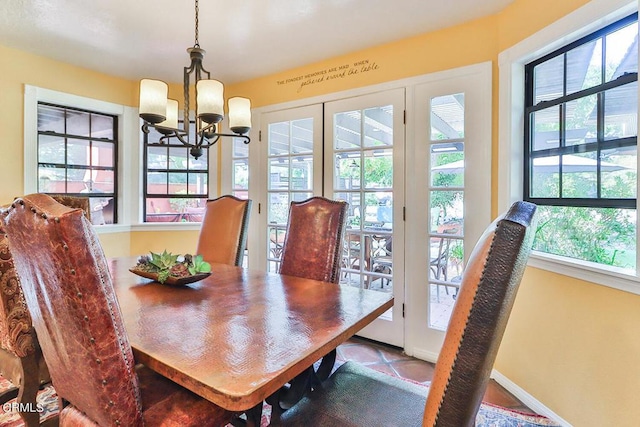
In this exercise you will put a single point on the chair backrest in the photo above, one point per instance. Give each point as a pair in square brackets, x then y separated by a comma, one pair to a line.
[74, 202]
[223, 235]
[313, 243]
[479, 318]
[69, 292]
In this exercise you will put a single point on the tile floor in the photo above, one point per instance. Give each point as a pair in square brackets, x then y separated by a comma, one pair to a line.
[392, 360]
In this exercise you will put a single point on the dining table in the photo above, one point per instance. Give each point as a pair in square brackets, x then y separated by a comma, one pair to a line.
[239, 335]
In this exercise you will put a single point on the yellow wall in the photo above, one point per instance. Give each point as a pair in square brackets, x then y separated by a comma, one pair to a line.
[571, 344]
[177, 242]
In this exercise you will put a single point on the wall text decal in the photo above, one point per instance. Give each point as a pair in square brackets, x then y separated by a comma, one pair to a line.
[330, 73]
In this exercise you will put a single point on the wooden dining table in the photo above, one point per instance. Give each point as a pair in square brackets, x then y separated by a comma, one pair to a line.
[239, 335]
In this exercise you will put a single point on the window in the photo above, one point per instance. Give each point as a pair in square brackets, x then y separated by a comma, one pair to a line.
[77, 154]
[580, 146]
[240, 179]
[176, 184]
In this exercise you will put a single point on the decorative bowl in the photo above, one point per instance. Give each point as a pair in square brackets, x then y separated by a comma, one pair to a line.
[171, 280]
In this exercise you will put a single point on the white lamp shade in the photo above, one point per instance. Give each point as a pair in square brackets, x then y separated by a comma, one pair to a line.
[153, 100]
[172, 115]
[239, 115]
[210, 100]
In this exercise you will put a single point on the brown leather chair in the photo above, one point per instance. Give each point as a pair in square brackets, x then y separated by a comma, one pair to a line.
[74, 202]
[68, 290]
[21, 360]
[312, 249]
[313, 244]
[357, 396]
[223, 236]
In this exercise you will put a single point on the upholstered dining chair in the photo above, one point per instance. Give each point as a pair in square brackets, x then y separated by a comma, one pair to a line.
[313, 243]
[312, 249]
[21, 360]
[69, 292]
[223, 235]
[461, 374]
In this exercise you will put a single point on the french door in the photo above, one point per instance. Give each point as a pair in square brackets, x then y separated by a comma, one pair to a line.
[449, 206]
[363, 164]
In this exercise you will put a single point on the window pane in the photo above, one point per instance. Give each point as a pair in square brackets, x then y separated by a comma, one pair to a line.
[622, 52]
[299, 197]
[601, 235]
[354, 217]
[378, 169]
[157, 157]
[546, 128]
[620, 112]
[78, 123]
[584, 66]
[50, 118]
[579, 175]
[51, 149]
[447, 212]
[302, 136]
[347, 174]
[102, 126]
[198, 184]
[447, 117]
[157, 182]
[104, 182]
[447, 165]
[619, 173]
[278, 138]
[378, 126]
[302, 173]
[240, 175]
[279, 174]
[78, 152]
[347, 130]
[548, 80]
[178, 158]
[177, 183]
[545, 177]
[103, 153]
[278, 208]
[240, 149]
[201, 163]
[581, 120]
[52, 180]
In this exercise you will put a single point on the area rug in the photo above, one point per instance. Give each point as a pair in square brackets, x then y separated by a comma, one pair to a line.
[488, 416]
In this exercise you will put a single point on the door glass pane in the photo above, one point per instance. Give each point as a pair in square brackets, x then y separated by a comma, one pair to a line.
[290, 177]
[347, 130]
[363, 176]
[446, 207]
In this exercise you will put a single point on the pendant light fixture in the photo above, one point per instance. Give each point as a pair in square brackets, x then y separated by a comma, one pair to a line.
[161, 113]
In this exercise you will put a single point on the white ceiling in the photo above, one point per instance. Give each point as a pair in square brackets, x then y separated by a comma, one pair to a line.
[244, 38]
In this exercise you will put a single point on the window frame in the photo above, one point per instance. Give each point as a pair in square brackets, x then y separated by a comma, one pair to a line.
[146, 170]
[599, 145]
[128, 142]
[90, 168]
[587, 19]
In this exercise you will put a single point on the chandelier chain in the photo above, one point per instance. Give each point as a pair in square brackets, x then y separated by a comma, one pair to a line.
[197, 43]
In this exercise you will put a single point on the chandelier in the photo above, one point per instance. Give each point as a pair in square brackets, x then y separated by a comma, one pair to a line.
[161, 113]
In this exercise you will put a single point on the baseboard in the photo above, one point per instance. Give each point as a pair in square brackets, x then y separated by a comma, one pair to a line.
[530, 401]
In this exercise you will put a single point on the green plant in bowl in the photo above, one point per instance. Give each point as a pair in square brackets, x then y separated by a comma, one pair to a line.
[167, 265]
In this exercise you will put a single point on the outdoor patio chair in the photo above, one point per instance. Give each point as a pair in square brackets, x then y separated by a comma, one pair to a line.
[479, 318]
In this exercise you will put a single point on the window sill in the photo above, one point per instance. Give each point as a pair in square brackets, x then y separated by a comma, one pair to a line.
[602, 275]
[167, 226]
